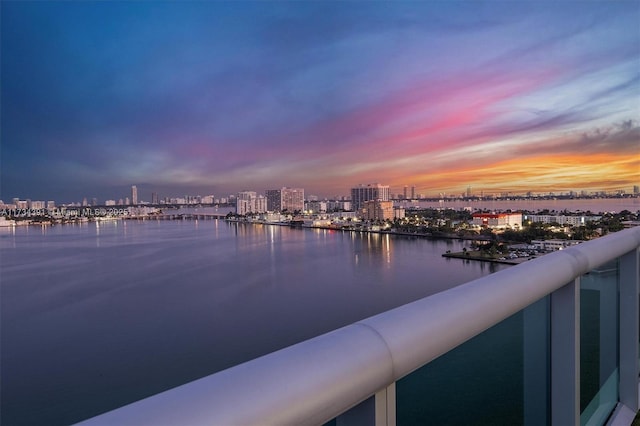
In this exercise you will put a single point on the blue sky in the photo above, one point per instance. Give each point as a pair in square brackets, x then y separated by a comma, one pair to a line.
[216, 97]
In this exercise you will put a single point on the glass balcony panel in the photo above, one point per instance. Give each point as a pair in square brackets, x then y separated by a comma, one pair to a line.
[497, 377]
[599, 344]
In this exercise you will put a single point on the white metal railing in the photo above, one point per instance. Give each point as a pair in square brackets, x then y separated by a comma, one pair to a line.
[324, 377]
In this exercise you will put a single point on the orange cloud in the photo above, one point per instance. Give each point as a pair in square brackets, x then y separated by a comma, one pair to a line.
[600, 171]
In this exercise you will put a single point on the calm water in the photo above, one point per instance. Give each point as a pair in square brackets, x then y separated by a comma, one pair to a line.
[98, 315]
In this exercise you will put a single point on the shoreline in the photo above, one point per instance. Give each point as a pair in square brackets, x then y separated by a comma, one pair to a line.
[479, 259]
[370, 231]
[464, 256]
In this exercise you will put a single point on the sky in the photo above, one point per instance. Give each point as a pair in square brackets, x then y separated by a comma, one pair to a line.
[218, 97]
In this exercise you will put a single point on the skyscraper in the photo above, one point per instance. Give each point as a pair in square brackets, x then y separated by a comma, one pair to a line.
[290, 199]
[134, 195]
[274, 200]
[372, 191]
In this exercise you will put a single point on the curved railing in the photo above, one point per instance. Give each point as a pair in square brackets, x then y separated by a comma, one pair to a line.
[321, 378]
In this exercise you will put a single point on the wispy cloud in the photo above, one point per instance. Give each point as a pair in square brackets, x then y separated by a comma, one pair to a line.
[322, 95]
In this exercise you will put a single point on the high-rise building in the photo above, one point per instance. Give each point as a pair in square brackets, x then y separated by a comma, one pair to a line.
[404, 193]
[378, 210]
[134, 195]
[292, 199]
[274, 200]
[413, 192]
[249, 202]
[372, 191]
[289, 199]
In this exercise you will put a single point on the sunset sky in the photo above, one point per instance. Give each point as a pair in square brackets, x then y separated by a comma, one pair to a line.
[216, 97]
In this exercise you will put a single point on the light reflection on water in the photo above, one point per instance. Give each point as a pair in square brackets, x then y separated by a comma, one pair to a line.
[98, 315]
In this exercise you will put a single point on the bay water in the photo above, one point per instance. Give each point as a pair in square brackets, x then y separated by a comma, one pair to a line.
[98, 315]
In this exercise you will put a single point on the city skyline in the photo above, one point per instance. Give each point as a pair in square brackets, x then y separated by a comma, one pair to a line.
[226, 198]
[220, 97]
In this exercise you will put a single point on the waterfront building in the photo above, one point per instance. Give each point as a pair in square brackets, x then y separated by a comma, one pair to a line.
[110, 203]
[7, 206]
[338, 205]
[274, 200]
[498, 220]
[579, 220]
[51, 204]
[290, 199]
[134, 195]
[369, 192]
[316, 206]
[378, 210]
[250, 202]
[38, 205]
[553, 244]
[272, 217]
[337, 216]
[261, 204]
[154, 198]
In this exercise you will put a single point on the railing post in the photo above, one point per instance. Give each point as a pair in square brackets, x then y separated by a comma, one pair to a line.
[565, 355]
[378, 410]
[629, 311]
[386, 406]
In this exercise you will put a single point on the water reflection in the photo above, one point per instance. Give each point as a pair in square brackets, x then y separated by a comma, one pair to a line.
[109, 315]
[372, 250]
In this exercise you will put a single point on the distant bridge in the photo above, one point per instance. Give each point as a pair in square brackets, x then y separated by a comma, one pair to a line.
[180, 216]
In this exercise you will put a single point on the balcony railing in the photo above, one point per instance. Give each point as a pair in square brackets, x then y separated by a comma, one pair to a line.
[351, 373]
